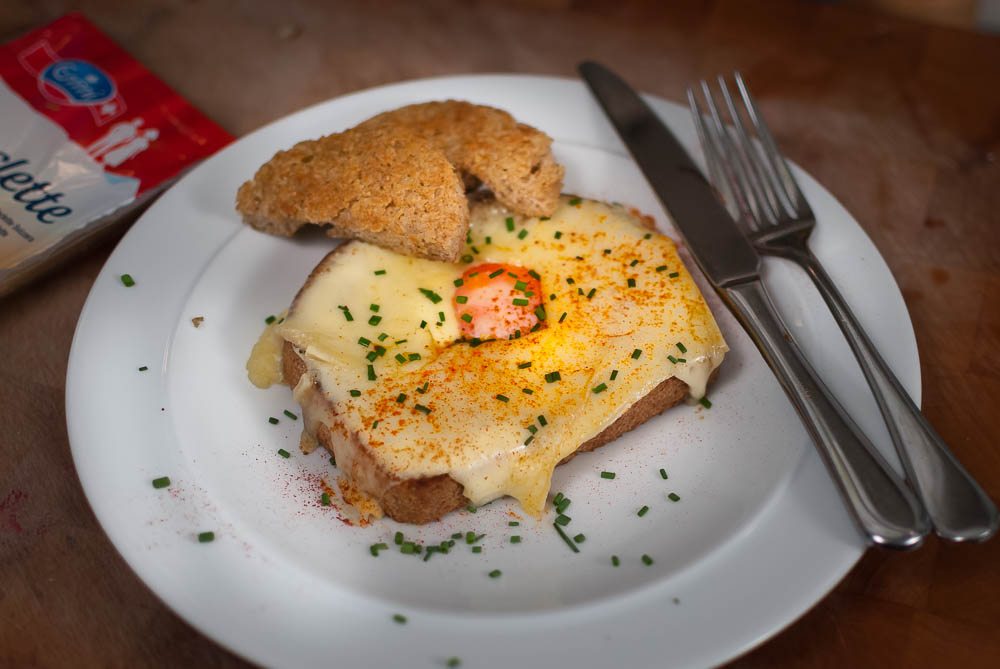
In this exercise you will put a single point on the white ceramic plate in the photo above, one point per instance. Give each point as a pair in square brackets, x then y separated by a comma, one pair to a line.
[757, 538]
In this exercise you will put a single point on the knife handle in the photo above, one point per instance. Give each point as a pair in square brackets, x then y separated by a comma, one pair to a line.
[883, 506]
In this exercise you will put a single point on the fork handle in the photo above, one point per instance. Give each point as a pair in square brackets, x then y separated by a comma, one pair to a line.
[878, 499]
[957, 505]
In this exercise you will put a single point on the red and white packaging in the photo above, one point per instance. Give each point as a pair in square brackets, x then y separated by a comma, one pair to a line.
[87, 134]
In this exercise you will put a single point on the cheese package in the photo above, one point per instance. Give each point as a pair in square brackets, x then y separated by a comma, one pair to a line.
[87, 134]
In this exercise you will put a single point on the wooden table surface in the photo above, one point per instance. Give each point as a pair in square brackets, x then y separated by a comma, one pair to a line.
[899, 120]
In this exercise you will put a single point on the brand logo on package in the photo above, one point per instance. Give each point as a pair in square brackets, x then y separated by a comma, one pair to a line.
[76, 82]
[73, 82]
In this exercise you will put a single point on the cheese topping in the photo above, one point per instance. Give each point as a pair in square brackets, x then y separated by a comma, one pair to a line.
[380, 336]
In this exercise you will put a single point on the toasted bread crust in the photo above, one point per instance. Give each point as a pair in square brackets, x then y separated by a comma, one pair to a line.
[398, 179]
[424, 500]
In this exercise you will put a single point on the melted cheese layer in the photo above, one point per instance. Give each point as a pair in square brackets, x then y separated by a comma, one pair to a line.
[618, 302]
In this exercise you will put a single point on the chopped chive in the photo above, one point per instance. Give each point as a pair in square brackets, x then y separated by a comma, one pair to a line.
[467, 318]
[398, 538]
[672, 359]
[324, 499]
[552, 297]
[453, 662]
[607, 252]
[423, 324]
[580, 538]
[544, 218]
[570, 280]
[532, 429]
[374, 320]
[674, 497]
[523, 233]
[375, 548]
[643, 511]
[614, 374]
[495, 274]
[540, 313]
[423, 389]
[515, 538]
[495, 573]
[591, 293]
[607, 475]
[600, 388]
[333, 461]
[400, 358]
[467, 258]
[530, 439]
[374, 307]
[634, 263]
[283, 453]
[661, 268]
[127, 280]
[520, 285]
[371, 356]
[563, 519]
[470, 537]
[379, 272]
[510, 224]
[364, 341]
[534, 275]
[409, 548]
[615, 561]
[631, 282]
[520, 302]
[270, 319]
[355, 393]
[431, 295]
[290, 414]
[565, 538]
[575, 201]
[663, 473]
[524, 365]
[646, 560]
[474, 250]
[441, 317]
[681, 347]
[636, 353]
[674, 275]
[705, 403]
[527, 391]
[458, 283]
[503, 398]
[552, 377]
[143, 368]
[681, 359]
[399, 618]
[562, 505]
[401, 341]
[272, 420]
[383, 336]
[371, 373]
[558, 234]
[375, 424]
[489, 240]
[347, 313]
[413, 356]
[206, 537]
[563, 317]
[401, 398]
[513, 523]
[648, 235]
[421, 408]
[558, 498]
[461, 299]
[471, 509]
[542, 421]
[162, 482]
[477, 549]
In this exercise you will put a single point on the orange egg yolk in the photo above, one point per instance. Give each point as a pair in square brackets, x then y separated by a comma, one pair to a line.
[498, 301]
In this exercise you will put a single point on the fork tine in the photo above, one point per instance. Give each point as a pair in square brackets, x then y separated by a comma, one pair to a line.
[735, 168]
[792, 198]
[746, 154]
[717, 175]
[725, 178]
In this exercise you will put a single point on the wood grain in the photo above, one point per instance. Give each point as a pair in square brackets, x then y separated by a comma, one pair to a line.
[899, 120]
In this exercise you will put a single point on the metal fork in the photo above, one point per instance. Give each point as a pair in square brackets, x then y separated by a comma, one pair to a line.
[756, 184]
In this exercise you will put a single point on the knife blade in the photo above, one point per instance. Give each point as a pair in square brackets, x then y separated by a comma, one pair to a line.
[884, 508]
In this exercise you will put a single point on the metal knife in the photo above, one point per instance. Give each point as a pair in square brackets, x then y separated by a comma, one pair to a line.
[884, 508]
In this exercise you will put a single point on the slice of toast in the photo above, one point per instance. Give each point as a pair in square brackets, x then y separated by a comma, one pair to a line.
[438, 422]
[399, 178]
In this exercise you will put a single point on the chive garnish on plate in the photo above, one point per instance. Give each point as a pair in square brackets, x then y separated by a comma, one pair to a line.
[161, 482]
